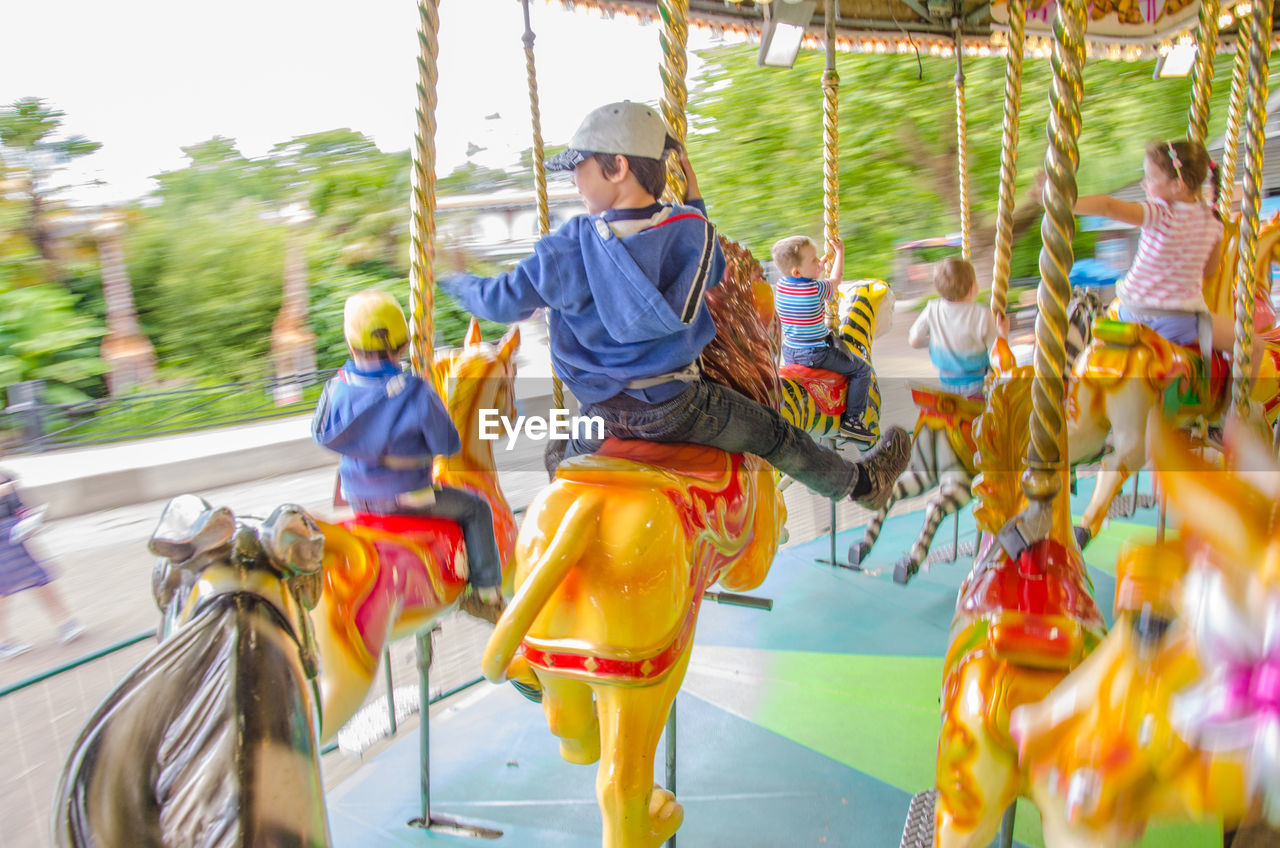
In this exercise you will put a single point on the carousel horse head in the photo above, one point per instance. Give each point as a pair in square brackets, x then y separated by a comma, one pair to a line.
[1177, 714]
[186, 746]
[612, 564]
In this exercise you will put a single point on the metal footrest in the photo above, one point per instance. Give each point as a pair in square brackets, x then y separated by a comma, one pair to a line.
[917, 832]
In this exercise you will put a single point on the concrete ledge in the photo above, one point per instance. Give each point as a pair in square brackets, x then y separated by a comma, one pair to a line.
[72, 482]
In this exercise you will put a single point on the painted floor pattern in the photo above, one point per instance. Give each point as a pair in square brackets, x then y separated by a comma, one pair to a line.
[811, 724]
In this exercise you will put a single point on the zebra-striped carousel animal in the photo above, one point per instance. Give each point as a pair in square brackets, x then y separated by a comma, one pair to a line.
[942, 454]
[813, 399]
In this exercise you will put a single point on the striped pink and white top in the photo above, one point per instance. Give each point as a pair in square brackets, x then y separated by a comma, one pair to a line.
[1176, 242]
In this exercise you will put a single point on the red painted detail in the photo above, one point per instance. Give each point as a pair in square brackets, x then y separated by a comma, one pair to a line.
[827, 388]
[1045, 580]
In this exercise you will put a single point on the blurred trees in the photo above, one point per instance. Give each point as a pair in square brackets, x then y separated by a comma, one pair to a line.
[756, 140]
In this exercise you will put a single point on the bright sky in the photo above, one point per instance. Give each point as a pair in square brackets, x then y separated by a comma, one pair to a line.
[147, 77]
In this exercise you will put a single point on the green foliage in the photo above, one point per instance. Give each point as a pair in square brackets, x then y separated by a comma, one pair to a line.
[756, 141]
[42, 337]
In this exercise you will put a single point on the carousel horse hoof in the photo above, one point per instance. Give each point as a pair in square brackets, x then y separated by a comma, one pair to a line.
[665, 813]
[857, 551]
[1083, 536]
[903, 570]
[533, 693]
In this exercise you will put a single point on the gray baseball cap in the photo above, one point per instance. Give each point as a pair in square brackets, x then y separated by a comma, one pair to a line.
[633, 129]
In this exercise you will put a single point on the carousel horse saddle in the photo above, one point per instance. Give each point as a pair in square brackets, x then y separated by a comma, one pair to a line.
[1125, 350]
[1039, 606]
[952, 414]
[427, 554]
[827, 388]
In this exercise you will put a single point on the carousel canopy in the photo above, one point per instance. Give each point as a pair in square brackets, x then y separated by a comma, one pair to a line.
[1117, 29]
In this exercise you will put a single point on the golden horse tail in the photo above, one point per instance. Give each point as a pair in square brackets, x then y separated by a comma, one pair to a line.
[567, 546]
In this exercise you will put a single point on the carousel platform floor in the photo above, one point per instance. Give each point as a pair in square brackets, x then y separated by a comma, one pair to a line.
[812, 724]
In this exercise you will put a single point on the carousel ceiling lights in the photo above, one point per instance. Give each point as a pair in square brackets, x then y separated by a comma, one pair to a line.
[783, 31]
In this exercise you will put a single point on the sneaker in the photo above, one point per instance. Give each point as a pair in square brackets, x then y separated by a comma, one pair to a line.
[13, 648]
[70, 631]
[882, 465]
[486, 604]
[857, 431]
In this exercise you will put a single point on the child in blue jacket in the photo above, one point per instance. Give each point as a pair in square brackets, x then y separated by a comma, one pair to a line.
[624, 287]
[389, 425]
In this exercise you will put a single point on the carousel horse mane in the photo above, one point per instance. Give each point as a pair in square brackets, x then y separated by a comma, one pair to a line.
[174, 755]
[744, 352]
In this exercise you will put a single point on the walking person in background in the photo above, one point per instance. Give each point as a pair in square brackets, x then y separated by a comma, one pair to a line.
[19, 571]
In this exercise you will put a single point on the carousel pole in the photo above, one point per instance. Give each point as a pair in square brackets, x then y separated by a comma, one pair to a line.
[1008, 156]
[1254, 141]
[1235, 112]
[831, 190]
[1202, 71]
[423, 225]
[675, 97]
[422, 294]
[1046, 453]
[539, 171]
[962, 146]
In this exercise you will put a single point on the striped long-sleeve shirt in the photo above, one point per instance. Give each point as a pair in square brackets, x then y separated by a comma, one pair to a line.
[801, 305]
[1176, 242]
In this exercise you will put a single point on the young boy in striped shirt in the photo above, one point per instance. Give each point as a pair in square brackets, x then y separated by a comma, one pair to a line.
[800, 298]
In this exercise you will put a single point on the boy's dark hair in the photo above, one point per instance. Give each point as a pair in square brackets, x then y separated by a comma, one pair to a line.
[650, 173]
[1183, 160]
[954, 277]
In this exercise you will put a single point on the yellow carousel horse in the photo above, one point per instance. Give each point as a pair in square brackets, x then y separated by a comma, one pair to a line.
[611, 566]
[1176, 715]
[271, 633]
[1021, 624]
[1128, 370]
[813, 399]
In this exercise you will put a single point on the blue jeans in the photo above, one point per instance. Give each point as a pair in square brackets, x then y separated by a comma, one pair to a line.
[835, 358]
[1179, 329]
[471, 511]
[707, 413]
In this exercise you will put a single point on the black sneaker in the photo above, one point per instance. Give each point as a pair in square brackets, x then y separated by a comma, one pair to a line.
[882, 466]
[857, 431]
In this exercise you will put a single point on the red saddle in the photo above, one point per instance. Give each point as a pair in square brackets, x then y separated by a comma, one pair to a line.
[827, 388]
[440, 538]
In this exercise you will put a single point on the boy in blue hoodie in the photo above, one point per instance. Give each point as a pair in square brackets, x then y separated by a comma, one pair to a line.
[624, 287]
[389, 425]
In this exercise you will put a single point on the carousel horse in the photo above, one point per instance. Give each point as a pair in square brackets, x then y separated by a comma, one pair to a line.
[186, 750]
[942, 449]
[813, 398]
[1128, 370]
[611, 566]
[1176, 715]
[1021, 624]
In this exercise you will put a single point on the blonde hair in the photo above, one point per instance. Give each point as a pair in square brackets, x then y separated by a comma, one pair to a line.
[954, 278]
[786, 252]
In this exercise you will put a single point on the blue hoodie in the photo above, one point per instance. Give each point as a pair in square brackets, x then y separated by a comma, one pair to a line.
[622, 308]
[368, 415]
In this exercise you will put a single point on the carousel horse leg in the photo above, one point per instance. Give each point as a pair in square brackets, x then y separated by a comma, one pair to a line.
[637, 814]
[571, 716]
[977, 777]
[910, 484]
[953, 492]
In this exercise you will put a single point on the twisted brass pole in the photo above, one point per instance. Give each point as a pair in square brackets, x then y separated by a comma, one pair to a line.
[1235, 112]
[1008, 156]
[539, 171]
[1042, 480]
[1202, 71]
[831, 155]
[423, 229]
[675, 97]
[1254, 141]
[962, 146]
